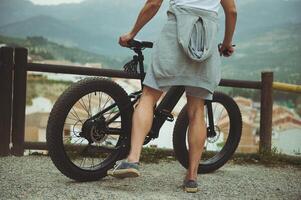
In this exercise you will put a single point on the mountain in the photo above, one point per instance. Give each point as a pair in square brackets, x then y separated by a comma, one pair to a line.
[15, 10]
[102, 22]
[277, 50]
[114, 17]
[267, 34]
[256, 17]
[46, 26]
[41, 48]
[58, 31]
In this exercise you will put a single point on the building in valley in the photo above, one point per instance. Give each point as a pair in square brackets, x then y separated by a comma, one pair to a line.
[286, 128]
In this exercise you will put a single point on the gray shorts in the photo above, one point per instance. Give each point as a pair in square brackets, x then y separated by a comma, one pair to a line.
[199, 92]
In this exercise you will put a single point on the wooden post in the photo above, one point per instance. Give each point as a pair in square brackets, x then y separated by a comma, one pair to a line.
[266, 112]
[6, 68]
[19, 101]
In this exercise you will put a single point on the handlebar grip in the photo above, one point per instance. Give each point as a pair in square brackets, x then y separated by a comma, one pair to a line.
[132, 43]
[139, 44]
[225, 52]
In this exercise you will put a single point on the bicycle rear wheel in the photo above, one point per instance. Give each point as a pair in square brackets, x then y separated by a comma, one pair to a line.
[218, 149]
[88, 128]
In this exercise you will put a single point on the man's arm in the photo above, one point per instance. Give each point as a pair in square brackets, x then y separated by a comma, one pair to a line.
[230, 16]
[149, 10]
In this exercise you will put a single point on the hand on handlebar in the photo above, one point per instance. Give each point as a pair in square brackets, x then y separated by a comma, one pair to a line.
[125, 38]
[226, 50]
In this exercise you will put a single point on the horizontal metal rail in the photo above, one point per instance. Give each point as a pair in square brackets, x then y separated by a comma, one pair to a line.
[286, 87]
[89, 71]
[240, 84]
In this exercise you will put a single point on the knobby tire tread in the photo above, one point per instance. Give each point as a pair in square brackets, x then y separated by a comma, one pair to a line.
[179, 134]
[57, 119]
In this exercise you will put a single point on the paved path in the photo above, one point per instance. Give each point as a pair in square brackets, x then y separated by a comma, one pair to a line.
[35, 177]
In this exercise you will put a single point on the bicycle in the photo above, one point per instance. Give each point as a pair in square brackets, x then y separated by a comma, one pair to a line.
[89, 126]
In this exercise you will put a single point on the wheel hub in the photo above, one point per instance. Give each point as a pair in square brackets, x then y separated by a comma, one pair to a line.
[94, 130]
[212, 138]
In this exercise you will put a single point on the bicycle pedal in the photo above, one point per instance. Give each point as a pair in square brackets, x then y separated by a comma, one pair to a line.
[168, 115]
[170, 118]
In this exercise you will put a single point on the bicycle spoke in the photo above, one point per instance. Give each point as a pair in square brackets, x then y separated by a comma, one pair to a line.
[72, 118]
[220, 114]
[89, 99]
[83, 161]
[75, 115]
[78, 140]
[108, 99]
[113, 119]
[214, 107]
[84, 106]
[111, 114]
[69, 124]
[99, 101]
[81, 152]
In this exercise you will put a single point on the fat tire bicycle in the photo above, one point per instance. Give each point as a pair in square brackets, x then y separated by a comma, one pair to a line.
[89, 127]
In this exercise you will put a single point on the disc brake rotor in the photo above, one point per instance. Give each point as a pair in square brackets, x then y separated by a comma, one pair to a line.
[216, 137]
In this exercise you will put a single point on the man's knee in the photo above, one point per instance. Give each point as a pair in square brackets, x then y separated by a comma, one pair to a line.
[195, 108]
[150, 95]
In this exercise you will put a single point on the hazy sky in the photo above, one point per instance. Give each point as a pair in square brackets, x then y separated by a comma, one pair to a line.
[54, 2]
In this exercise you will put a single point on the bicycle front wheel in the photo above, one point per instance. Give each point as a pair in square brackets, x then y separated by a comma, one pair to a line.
[88, 128]
[219, 148]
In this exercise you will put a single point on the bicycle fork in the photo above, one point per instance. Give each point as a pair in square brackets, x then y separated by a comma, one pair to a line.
[210, 130]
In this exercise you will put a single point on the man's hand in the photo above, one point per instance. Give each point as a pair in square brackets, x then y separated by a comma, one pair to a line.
[226, 49]
[149, 10]
[124, 39]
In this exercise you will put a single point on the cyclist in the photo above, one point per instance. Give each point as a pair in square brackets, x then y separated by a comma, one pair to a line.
[184, 54]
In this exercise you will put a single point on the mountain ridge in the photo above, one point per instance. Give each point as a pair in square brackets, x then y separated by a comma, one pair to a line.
[104, 21]
[41, 49]
[95, 26]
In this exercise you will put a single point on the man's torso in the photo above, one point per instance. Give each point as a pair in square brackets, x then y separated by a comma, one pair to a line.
[211, 5]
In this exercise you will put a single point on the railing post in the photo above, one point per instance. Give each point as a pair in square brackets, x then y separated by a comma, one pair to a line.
[6, 68]
[266, 112]
[19, 101]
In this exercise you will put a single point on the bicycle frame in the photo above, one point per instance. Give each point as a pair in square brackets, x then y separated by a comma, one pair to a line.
[164, 109]
[162, 112]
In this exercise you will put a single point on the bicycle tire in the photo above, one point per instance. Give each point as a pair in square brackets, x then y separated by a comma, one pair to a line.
[55, 127]
[180, 132]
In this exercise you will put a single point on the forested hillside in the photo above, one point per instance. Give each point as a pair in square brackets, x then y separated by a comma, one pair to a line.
[42, 49]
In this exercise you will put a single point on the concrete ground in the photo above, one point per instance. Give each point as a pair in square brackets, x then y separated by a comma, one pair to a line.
[35, 177]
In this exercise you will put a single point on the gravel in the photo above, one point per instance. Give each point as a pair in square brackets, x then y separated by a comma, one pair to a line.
[35, 177]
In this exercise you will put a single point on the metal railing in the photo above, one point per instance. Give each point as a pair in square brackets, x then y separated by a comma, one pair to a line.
[13, 80]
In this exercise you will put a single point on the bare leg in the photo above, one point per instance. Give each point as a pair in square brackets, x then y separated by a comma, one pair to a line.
[196, 134]
[142, 121]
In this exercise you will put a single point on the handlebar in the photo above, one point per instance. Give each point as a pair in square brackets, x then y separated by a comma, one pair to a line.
[137, 44]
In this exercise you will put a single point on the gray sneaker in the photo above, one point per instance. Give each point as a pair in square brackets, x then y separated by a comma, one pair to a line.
[124, 169]
[190, 186]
